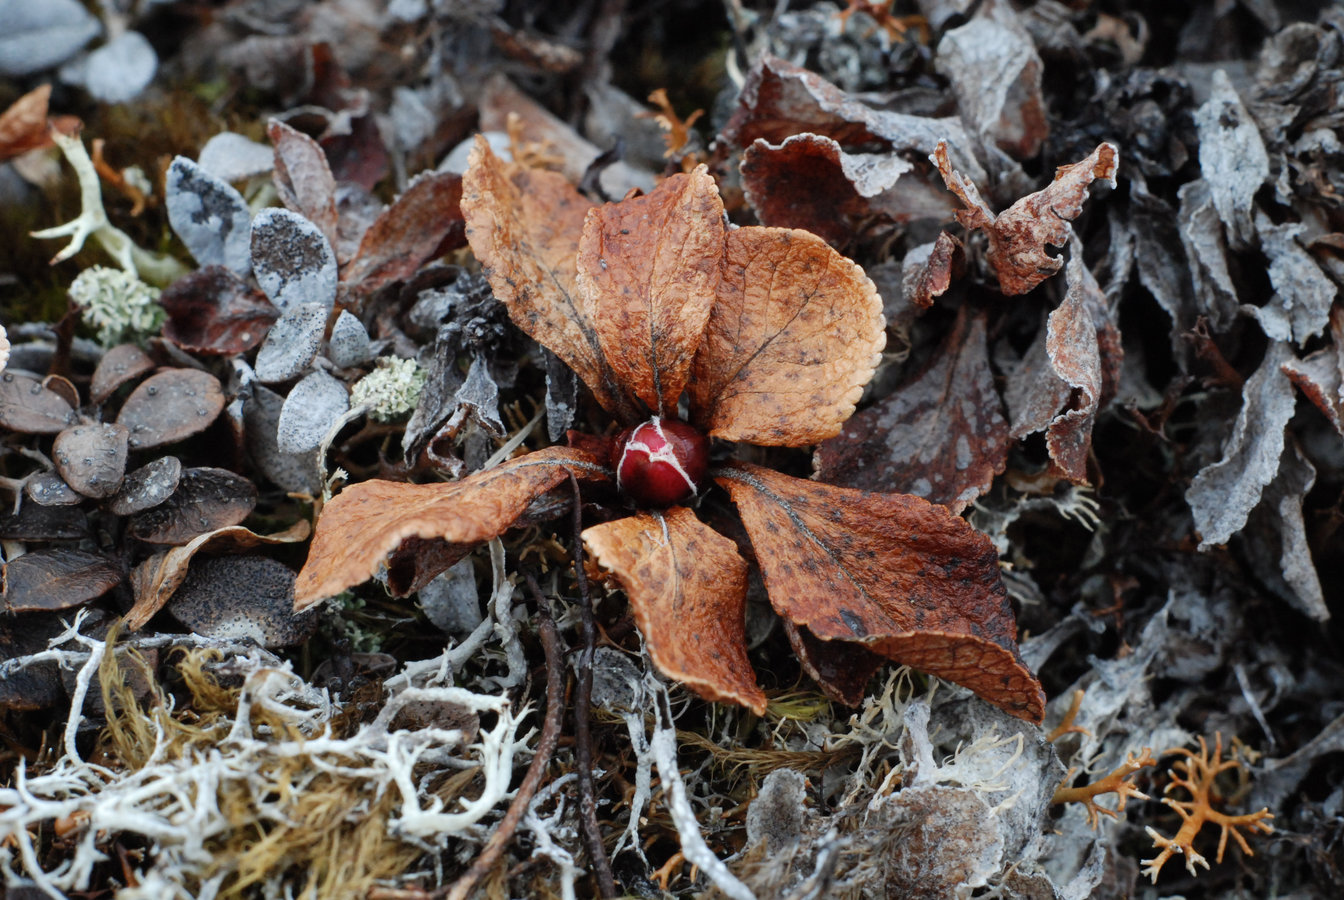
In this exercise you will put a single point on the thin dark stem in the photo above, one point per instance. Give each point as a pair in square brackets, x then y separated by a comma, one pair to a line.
[583, 693]
[550, 737]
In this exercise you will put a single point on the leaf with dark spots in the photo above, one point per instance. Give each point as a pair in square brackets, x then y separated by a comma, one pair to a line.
[940, 436]
[303, 177]
[648, 271]
[688, 588]
[214, 312]
[242, 597]
[92, 458]
[171, 405]
[425, 222]
[360, 526]
[292, 259]
[49, 489]
[293, 342]
[147, 486]
[57, 578]
[210, 217]
[923, 585]
[206, 499]
[155, 580]
[1019, 235]
[121, 365]
[26, 406]
[795, 333]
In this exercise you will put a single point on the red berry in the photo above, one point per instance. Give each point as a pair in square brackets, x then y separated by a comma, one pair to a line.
[661, 462]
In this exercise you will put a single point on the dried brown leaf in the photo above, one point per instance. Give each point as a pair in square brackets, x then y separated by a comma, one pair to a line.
[945, 261]
[524, 225]
[122, 364]
[425, 222]
[360, 526]
[213, 311]
[1073, 343]
[892, 573]
[688, 588]
[1019, 235]
[793, 337]
[648, 271]
[206, 499]
[57, 578]
[92, 458]
[171, 405]
[26, 406]
[303, 177]
[941, 436]
[23, 126]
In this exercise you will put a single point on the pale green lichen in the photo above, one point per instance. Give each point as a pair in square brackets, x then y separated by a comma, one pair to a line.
[391, 390]
[117, 303]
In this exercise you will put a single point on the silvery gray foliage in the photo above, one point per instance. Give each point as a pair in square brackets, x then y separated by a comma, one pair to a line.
[37, 36]
[293, 342]
[117, 71]
[233, 157]
[292, 259]
[349, 342]
[297, 472]
[210, 217]
[310, 410]
[451, 600]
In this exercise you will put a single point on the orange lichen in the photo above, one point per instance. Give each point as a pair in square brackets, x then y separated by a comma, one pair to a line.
[880, 12]
[1066, 725]
[1196, 773]
[1114, 783]
[678, 130]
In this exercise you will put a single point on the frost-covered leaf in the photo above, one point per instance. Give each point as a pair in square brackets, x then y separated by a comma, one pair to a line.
[480, 396]
[425, 222]
[1320, 375]
[303, 177]
[1223, 494]
[349, 342]
[1202, 234]
[117, 71]
[171, 405]
[297, 472]
[234, 157]
[310, 410]
[293, 341]
[1303, 294]
[940, 436]
[92, 458]
[795, 333]
[889, 573]
[648, 270]
[210, 217]
[1232, 157]
[26, 406]
[1019, 235]
[214, 312]
[206, 499]
[240, 597]
[147, 486]
[1276, 537]
[292, 259]
[688, 590]
[37, 36]
[995, 74]
[361, 525]
[57, 578]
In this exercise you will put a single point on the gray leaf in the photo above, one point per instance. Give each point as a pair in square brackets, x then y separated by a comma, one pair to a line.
[292, 259]
[147, 486]
[480, 394]
[451, 601]
[297, 472]
[349, 343]
[1275, 539]
[1303, 293]
[37, 36]
[311, 408]
[117, 71]
[1222, 495]
[233, 157]
[210, 217]
[1232, 156]
[293, 342]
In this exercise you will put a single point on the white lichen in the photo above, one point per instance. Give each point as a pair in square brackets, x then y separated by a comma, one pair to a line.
[117, 303]
[389, 391]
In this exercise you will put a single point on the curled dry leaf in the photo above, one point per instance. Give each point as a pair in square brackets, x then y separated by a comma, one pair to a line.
[687, 587]
[1073, 344]
[892, 573]
[213, 311]
[1320, 375]
[945, 259]
[23, 126]
[524, 226]
[648, 270]
[795, 333]
[941, 436]
[57, 578]
[169, 406]
[361, 525]
[1019, 235]
[425, 222]
[155, 580]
